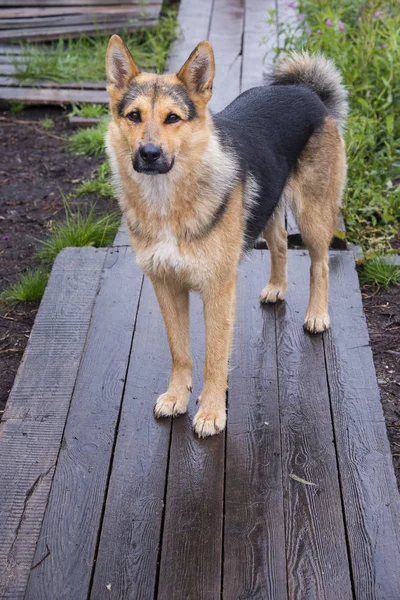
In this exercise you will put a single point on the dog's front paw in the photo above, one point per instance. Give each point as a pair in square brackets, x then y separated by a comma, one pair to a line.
[171, 405]
[315, 323]
[272, 293]
[209, 421]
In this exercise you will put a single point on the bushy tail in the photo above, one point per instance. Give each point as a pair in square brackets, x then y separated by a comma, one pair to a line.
[321, 75]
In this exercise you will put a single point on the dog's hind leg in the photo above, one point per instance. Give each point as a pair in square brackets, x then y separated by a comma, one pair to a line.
[276, 237]
[317, 188]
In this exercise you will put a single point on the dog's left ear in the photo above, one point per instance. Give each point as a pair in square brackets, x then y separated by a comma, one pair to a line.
[198, 71]
[121, 67]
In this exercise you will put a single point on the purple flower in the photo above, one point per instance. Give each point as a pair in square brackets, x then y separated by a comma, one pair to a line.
[292, 4]
[5, 237]
[378, 14]
[301, 16]
[328, 23]
[341, 26]
[319, 31]
[347, 93]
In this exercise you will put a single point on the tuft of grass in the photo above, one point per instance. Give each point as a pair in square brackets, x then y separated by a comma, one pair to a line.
[47, 123]
[362, 37]
[89, 111]
[82, 58]
[99, 185]
[376, 271]
[17, 107]
[29, 288]
[89, 141]
[79, 230]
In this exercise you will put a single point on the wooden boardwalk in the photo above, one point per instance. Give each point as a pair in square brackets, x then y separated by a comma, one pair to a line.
[297, 499]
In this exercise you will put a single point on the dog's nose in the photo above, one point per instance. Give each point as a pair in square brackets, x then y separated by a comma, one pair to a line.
[150, 153]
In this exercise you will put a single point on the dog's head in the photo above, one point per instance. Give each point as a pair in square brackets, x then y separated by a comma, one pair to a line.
[158, 114]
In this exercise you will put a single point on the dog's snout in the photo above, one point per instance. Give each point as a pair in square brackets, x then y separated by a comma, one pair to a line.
[150, 153]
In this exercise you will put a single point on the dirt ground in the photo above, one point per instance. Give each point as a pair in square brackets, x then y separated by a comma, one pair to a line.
[36, 170]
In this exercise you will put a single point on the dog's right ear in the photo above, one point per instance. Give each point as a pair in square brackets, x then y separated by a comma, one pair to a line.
[120, 65]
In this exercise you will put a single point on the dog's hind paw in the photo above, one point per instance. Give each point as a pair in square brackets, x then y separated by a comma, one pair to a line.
[209, 422]
[170, 405]
[272, 293]
[316, 323]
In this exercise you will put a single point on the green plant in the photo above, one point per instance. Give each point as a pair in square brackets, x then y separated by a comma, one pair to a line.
[29, 288]
[89, 141]
[363, 40]
[16, 107]
[82, 58]
[47, 123]
[99, 185]
[89, 111]
[376, 271]
[79, 230]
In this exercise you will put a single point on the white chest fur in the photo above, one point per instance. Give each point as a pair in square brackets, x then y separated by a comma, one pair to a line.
[163, 257]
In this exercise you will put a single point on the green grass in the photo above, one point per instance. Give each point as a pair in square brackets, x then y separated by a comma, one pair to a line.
[29, 288]
[89, 111]
[46, 123]
[79, 230]
[82, 59]
[16, 107]
[376, 271]
[89, 141]
[99, 185]
[363, 38]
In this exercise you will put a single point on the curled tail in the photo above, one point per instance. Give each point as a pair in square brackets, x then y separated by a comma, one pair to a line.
[318, 73]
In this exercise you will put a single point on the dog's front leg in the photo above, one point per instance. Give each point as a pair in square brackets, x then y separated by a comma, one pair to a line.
[219, 313]
[174, 303]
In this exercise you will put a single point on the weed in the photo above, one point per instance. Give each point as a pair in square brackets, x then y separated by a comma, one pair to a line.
[376, 271]
[99, 185]
[89, 111]
[79, 230]
[16, 107]
[89, 141]
[82, 59]
[47, 123]
[29, 288]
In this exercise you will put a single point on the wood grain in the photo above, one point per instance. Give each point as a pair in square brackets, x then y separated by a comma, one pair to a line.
[192, 535]
[79, 85]
[259, 40]
[370, 497]
[24, 12]
[254, 534]
[72, 519]
[128, 550]
[53, 95]
[316, 549]
[34, 3]
[226, 37]
[122, 236]
[37, 408]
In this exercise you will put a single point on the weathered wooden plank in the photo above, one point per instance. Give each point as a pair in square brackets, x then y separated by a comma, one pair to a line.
[128, 551]
[122, 237]
[316, 550]
[134, 16]
[80, 85]
[38, 34]
[259, 39]
[17, 3]
[226, 37]
[370, 497]
[254, 534]
[53, 95]
[192, 532]
[24, 12]
[84, 122]
[194, 20]
[68, 537]
[34, 419]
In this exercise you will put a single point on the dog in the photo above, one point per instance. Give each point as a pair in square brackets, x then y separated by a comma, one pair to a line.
[197, 190]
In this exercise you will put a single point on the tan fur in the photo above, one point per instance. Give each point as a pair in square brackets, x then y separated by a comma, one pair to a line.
[167, 216]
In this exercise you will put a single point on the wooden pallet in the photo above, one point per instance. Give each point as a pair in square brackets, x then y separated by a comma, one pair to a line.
[48, 20]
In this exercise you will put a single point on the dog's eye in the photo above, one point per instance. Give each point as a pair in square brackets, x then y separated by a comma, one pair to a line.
[172, 118]
[134, 116]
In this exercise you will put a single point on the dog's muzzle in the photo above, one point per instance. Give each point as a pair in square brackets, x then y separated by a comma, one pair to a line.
[150, 159]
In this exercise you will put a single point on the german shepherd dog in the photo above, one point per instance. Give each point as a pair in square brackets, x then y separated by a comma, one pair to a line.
[197, 190]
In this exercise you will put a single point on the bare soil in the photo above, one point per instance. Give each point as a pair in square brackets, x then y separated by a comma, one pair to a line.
[37, 170]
